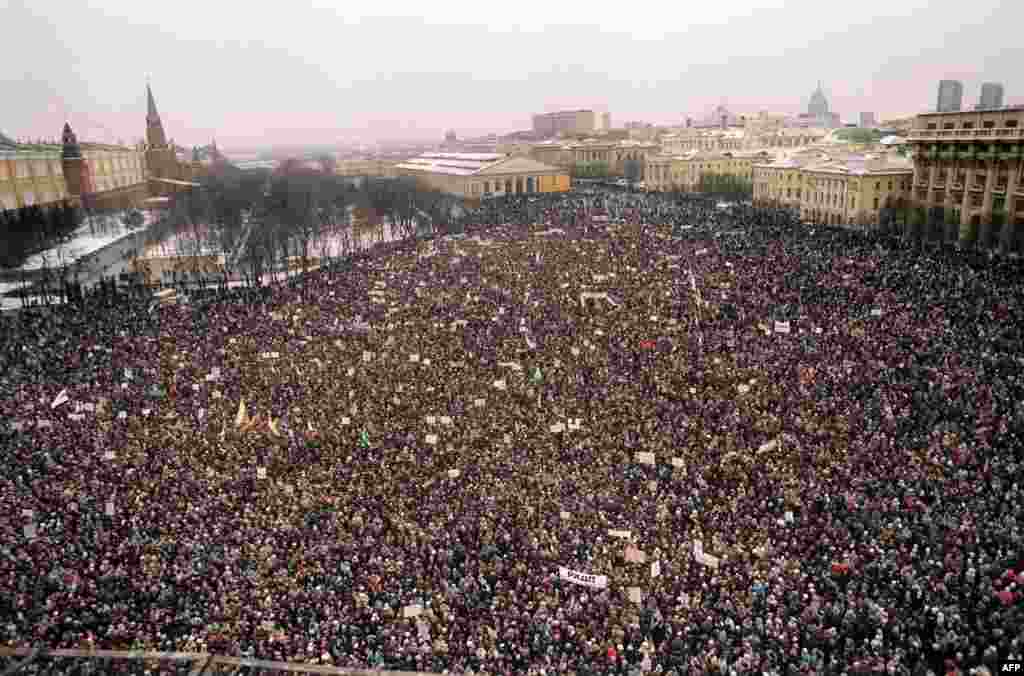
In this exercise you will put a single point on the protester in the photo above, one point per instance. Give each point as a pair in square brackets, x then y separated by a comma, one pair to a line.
[435, 456]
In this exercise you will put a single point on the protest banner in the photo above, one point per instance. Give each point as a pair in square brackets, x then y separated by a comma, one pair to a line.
[583, 579]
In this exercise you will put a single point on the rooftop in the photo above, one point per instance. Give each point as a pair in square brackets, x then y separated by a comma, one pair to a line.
[1005, 109]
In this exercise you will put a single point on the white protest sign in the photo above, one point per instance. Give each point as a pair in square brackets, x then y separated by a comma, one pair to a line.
[454, 474]
[583, 579]
[110, 508]
[61, 398]
[788, 516]
[624, 534]
[500, 384]
[769, 446]
[564, 515]
[261, 473]
[446, 420]
[367, 356]
[645, 458]
[412, 611]
[876, 312]
[656, 569]
[431, 420]
[636, 595]
[677, 462]
[431, 439]
[30, 531]
[557, 428]
[781, 327]
[345, 420]
[479, 403]
[351, 371]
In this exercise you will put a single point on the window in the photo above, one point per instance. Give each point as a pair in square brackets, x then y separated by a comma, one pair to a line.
[853, 202]
[931, 125]
[878, 186]
[1010, 124]
[988, 124]
[890, 186]
[876, 203]
[968, 125]
[949, 125]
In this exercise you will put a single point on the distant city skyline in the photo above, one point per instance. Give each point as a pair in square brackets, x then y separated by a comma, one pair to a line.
[307, 74]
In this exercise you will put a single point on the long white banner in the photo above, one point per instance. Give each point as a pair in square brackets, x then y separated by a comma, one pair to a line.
[584, 579]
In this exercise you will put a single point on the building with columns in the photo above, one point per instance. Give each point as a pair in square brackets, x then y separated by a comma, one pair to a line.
[484, 174]
[667, 172]
[615, 154]
[968, 168]
[836, 189]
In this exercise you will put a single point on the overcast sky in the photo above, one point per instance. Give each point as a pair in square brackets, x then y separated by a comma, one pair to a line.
[304, 71]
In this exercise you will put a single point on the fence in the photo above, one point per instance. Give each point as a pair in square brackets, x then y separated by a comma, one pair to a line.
[24, 661]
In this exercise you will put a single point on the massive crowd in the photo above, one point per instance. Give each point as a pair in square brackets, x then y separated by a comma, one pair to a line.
[593, 434]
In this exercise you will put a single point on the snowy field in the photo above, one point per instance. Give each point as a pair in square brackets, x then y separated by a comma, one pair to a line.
[84, 243]
[332, 245]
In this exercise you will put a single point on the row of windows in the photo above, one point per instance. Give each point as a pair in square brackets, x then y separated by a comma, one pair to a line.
[986, 124]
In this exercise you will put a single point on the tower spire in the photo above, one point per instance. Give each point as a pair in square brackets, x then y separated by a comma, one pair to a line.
[155, 136]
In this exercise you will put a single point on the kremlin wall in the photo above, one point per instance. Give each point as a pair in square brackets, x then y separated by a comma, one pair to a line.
[95, 175]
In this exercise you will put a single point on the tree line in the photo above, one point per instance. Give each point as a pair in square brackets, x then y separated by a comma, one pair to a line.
[266, 222]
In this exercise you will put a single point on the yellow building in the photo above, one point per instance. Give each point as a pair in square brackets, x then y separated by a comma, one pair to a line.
[49, 174]
[93, 174]
[663, 172]
[480, 174]
[614, 154]
[969, 166]
[853, 191]
[780, 182]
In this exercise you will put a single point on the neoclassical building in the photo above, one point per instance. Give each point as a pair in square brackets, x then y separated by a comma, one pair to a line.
[484, 174]
[667, 172]
[839, 189]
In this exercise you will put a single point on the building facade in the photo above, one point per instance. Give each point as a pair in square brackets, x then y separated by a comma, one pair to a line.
[951, 95]
[968, 164]
[867, 121]
[567, 122]
[850, 190]
[991, 96]
[477, 175]
[683, 173]
[93, 175]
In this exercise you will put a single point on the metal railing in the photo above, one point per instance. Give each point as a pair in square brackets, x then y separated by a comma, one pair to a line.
[24, 661]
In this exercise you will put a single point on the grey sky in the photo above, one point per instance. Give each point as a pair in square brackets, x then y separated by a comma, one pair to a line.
[306, 72]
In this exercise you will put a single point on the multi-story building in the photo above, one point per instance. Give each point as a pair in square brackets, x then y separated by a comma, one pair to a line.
[991, 96]
[94, 175]
[835, 190]
[855, 190]
[567, 122]
[666, 172]
[481, 174]
[614, 154]
[951, 95]
[968, 165]
[781, 182]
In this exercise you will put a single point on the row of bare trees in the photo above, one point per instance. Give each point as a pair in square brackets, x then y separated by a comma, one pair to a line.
[265, 223]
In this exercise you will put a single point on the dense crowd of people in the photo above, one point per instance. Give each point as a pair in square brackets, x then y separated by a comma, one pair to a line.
[594, 434]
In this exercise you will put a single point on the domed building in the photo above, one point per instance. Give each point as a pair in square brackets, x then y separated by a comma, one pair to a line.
[818, 105]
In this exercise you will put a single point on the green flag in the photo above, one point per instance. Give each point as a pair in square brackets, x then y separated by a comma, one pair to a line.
[364, 439]
[537, 377]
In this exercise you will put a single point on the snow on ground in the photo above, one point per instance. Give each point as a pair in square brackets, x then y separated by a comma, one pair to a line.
[83, 243]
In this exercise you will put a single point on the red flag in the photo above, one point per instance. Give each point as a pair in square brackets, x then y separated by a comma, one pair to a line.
[648, 345]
